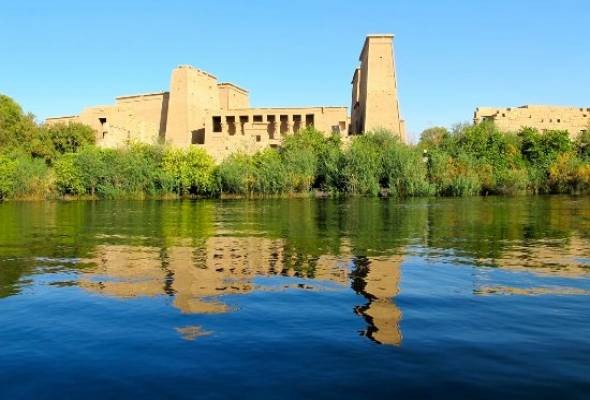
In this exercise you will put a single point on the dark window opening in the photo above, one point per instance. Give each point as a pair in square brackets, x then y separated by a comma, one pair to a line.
[103, 125]
[342, 126]
[296, 123]
[217, 124]
[198, 136]
[231, 124]
[257, 118]
[243, 120]
[309, 120]
[335, 129]
[558, 120]
[258, 138]
[271, 128]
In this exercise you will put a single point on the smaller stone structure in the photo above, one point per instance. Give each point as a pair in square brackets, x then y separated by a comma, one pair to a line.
[575, 120]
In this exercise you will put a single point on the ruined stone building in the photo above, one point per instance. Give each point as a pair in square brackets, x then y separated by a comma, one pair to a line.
[575, 120]
[199, 110]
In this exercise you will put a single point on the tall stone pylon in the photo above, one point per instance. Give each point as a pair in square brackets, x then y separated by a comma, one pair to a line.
[375, 104]
[194, 96]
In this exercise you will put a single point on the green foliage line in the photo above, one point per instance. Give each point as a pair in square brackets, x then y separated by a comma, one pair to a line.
[40, 161]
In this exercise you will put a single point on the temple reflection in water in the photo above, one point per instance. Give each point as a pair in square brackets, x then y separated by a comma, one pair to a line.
[197, 276]
[198, 252]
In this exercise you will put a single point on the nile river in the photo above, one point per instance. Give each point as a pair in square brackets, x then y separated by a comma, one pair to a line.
[303, 298]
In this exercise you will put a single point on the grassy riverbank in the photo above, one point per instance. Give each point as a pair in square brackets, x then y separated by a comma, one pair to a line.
[38, 162]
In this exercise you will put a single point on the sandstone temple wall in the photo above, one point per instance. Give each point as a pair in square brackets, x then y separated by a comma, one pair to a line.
[199, 110]
[511, 119]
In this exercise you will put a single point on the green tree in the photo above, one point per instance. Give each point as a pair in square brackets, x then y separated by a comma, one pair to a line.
[61, 138]
[191, 170]
[433, 137]
[17, 129]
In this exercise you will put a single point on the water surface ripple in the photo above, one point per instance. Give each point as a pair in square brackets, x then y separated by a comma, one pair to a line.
[300, 298]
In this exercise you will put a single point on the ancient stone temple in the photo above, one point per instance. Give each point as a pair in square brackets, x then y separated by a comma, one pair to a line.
[375, 103]
[575, 120]
[199, 110]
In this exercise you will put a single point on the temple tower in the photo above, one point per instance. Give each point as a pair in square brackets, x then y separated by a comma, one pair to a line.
[194, 97]
[375, 103]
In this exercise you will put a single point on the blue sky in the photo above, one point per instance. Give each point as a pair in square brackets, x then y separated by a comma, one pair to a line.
[59, 56]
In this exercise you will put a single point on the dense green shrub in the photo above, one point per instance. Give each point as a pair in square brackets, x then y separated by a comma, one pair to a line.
[569, 174]
[68, 178]
[269, 173]
[235, 175]
[61, 160]
[583, 144]
[57, 139]
[191, 170]
[330, 165]
[300, 158]
[22, 177]
[363, 161]
[405, 171]
[453, 176]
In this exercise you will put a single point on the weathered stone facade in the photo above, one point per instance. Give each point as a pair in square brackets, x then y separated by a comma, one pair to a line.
[198, 110]
[375, 103]
[575, 120]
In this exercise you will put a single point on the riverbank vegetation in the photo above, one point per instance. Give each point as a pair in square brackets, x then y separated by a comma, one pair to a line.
[61, 161]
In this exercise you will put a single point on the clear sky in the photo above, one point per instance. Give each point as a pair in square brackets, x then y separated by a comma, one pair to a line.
[59, 56]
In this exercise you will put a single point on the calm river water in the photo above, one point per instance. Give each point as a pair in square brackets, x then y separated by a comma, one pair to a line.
[302, 298]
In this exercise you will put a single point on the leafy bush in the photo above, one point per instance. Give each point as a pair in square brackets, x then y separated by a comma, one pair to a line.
[364, 164]
[300, 158]
[41, 161]
[191, 170]
[61, 138]
[405, 171]
[568, 174]
[235, 175]
[22, 176]
[582, 145]
[453, 176]
[269, 172]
